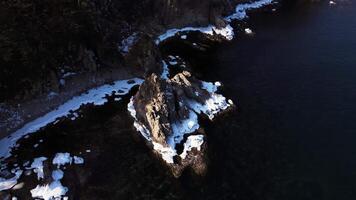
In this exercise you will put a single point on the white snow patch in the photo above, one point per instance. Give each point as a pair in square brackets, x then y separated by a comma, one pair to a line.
[167, 153]
[332, 2]
[213, 105]
[75, 116]
[78, 160]
[6, 184]
[180, 128]
[52, 94]
[173, 62]
[57, 174]
[37, 166]
[62, 159]
[248, 31]
[140, 127]
[94, 96]
[53, 191]
[193, 141]
[226, 32]
[240, 10]
[165, 72]
[127, 43]
[183, 37]
[68, 74]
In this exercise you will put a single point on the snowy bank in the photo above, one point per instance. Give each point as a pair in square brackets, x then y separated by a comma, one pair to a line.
[94, 96]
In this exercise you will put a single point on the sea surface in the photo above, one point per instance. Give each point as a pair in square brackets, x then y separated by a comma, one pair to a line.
[292, 135]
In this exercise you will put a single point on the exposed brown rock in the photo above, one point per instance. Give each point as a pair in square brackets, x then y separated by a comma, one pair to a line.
[161, 102]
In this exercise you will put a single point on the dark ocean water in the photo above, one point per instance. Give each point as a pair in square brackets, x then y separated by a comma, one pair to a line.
[292, 136]
[295, 82]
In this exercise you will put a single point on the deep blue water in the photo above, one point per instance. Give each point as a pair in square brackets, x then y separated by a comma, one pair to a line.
[295, 80]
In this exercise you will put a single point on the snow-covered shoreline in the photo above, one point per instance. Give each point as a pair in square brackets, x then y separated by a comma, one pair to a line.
[227, 32]
[94, 96]
[213, 105]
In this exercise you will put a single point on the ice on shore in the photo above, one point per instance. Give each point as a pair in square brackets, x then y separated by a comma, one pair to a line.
[6, 184]
[62, 159]
[227, 32]
[94, 96]
[52, 191]
[37, 166]
[240, 10]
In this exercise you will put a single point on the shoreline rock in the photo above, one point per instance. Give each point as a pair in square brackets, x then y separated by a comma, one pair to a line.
[166, 114]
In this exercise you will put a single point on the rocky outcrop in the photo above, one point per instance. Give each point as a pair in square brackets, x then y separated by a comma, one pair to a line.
[166, 113]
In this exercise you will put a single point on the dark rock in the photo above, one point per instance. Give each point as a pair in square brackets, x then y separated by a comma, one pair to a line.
[160, 103]
[144, 55]
[154, 105]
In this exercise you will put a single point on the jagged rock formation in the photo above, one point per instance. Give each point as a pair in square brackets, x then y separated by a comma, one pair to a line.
[166, 113]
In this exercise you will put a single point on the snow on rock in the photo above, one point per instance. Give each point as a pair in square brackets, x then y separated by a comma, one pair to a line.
[62, 159]
[139, 127]
[127, 43]
[37, 166]
[240, 10]
[6, 184]
[165, 73]
[78, 160]
[182, 127]
[57, 174]
[94, 96]
[213, 105]
[227, 32]
[52, 191]
[248, 31]
[68, 74]
[193, 141]
[332, 2]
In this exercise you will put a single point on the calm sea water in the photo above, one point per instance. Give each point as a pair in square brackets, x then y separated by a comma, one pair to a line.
[293, 135]
[295, 84]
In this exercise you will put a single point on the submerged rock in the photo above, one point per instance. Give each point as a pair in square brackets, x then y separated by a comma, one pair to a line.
[166, 114]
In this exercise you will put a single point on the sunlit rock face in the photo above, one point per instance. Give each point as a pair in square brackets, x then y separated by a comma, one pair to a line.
[166, 114]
